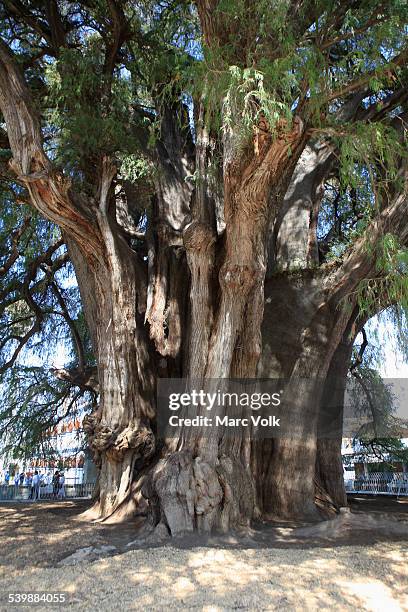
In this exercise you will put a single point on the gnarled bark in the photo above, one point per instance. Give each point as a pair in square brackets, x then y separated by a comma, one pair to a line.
[199, 308]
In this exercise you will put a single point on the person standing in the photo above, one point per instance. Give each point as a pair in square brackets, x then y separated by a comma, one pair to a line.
[61, 491]
[7, 478]
[16, 483]
[28, 481]
[55, 484]
[36, 486]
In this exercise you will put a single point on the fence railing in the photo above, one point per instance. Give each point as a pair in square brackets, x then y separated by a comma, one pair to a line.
[375, 484]
[379, 484]
[24, 492]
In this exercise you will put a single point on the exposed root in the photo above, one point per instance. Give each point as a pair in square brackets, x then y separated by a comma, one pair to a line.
[92, 513]
[133, 507]
[192, 495]
[324, 502]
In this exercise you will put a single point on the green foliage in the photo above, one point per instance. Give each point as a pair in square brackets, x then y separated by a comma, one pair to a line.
[386, 449]
[84, 130]
[33, 330]
[33, 402]
[373, 148]
[369, 158]
[376, 399]
[134, 168]
[263, 61]
[369, 163]
[390, 284]
[246, 102]
[370, 395]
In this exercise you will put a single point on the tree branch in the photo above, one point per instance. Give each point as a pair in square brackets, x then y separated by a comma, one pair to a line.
[85, 378]
[359, 359]
[360, 263]
[361, 83]
[118, 35]
[22, 14]
[71, 324]
[325, 44]
[50, 191]
[15, 238]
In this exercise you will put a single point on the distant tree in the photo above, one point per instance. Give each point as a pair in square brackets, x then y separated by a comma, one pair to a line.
[385, 449]
[374, 399]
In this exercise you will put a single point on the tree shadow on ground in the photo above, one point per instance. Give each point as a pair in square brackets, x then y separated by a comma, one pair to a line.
[44, 533]
[366, 578]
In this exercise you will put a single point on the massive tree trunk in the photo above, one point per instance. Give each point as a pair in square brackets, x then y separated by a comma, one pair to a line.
[232, 288]
[301, 332]
[329, 466]
[205, 482]
[119, 432]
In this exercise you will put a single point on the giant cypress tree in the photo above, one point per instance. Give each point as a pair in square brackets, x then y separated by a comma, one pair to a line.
[230, 180]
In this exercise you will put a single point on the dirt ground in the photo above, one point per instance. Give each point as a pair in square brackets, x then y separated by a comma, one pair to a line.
[358, 561]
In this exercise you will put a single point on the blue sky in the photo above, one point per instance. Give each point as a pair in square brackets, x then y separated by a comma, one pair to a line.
[381, 332]
[392, 367]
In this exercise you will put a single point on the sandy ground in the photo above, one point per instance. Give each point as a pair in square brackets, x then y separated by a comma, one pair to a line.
[359, 561]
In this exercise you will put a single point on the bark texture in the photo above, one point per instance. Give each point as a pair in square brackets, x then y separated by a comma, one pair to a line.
[227, 284]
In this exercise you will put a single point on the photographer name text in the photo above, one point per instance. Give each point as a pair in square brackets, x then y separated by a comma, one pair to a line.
[224, 421]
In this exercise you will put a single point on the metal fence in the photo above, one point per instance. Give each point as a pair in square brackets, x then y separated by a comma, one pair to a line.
[379, 484]
[24, 492]
[374, 484]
